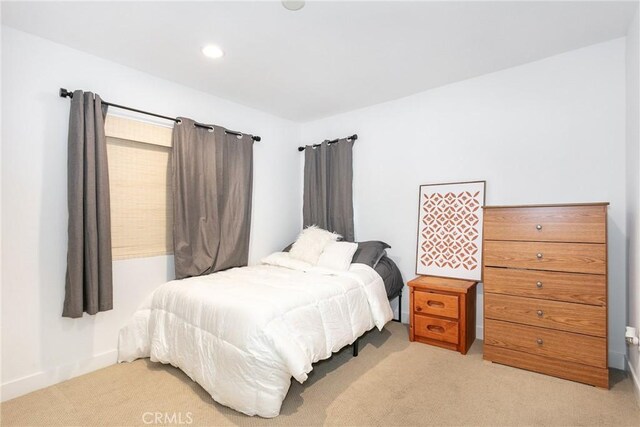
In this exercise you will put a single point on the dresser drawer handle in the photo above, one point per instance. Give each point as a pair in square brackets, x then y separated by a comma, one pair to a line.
[539, 255]
[435, 328]
[539, 341]
[418, 308]
[540, 313]
[538, 227]
[539, 285]
[432, 303]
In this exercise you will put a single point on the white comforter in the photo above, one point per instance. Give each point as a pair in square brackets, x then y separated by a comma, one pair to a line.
[243, 333]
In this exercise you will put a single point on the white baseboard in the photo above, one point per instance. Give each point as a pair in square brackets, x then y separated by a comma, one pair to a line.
[38, 380]
[616, 360]
[405, 318]
[635, 379]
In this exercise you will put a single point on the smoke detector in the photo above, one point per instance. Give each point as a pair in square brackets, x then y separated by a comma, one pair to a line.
[293, 4]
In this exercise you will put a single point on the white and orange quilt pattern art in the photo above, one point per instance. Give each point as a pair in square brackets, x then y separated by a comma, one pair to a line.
[450, 230]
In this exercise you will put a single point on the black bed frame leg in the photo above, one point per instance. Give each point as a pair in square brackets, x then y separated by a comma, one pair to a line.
[355, 347]
[399, 319]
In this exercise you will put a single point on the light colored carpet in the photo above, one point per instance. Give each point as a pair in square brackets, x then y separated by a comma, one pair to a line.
[391, 382]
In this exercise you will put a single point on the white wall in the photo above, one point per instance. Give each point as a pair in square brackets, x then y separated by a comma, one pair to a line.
[39, 347]
[551, 131]
[633, 192]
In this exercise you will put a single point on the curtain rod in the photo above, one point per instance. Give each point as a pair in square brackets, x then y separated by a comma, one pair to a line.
[64, 93]
[333, 141]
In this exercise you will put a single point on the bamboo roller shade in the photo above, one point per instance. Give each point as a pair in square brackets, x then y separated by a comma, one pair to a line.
[141, 197]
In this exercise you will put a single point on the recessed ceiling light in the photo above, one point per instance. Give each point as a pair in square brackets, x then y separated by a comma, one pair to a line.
[293, 4]
[212, 51]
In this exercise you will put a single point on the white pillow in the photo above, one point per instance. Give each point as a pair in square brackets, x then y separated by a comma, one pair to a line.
[284, 259]
[311, 242]
[337, 255]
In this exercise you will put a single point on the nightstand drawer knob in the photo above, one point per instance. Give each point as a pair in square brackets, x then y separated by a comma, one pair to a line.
[538, 227]
[540, 313]
[539, 255]
[435, 328]
[418, 308]
[539, 341]
[539, 285]
[432, 303]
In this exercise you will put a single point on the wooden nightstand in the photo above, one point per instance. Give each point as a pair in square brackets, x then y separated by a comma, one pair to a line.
[443, 312]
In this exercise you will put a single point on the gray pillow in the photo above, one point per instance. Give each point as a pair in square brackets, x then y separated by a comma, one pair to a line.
[370, 252]
[391, 276]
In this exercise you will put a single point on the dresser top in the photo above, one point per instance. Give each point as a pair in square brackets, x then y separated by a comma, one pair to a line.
[442, 283]
[551, 205]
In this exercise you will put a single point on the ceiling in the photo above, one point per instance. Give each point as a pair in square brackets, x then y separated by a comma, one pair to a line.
[327, 58]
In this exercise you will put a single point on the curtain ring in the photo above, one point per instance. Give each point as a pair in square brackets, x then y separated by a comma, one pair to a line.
[178, 121]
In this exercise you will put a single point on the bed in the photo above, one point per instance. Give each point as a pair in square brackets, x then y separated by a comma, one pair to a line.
[244, 332]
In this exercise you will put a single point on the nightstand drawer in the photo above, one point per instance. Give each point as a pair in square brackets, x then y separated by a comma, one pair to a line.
[436, 329]
[436, 304]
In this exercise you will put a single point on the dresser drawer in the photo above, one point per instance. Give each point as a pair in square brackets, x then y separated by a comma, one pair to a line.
[436, 329]
[569, 287]
[585, 224]
[569, 257]
[566, 346]
[598, 377]
[436, 304]
[562, 316]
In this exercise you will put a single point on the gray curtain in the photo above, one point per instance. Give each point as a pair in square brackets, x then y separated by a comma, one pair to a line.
[88, 285]
[328, 193]
[212, 175]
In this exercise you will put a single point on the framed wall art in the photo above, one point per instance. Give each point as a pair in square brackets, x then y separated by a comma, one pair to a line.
[450, 230]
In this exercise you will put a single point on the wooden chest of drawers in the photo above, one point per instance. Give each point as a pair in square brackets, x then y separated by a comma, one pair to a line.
[443, 312]
[545, 289]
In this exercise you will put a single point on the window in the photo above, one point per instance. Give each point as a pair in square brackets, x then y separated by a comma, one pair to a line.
[141, 197]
